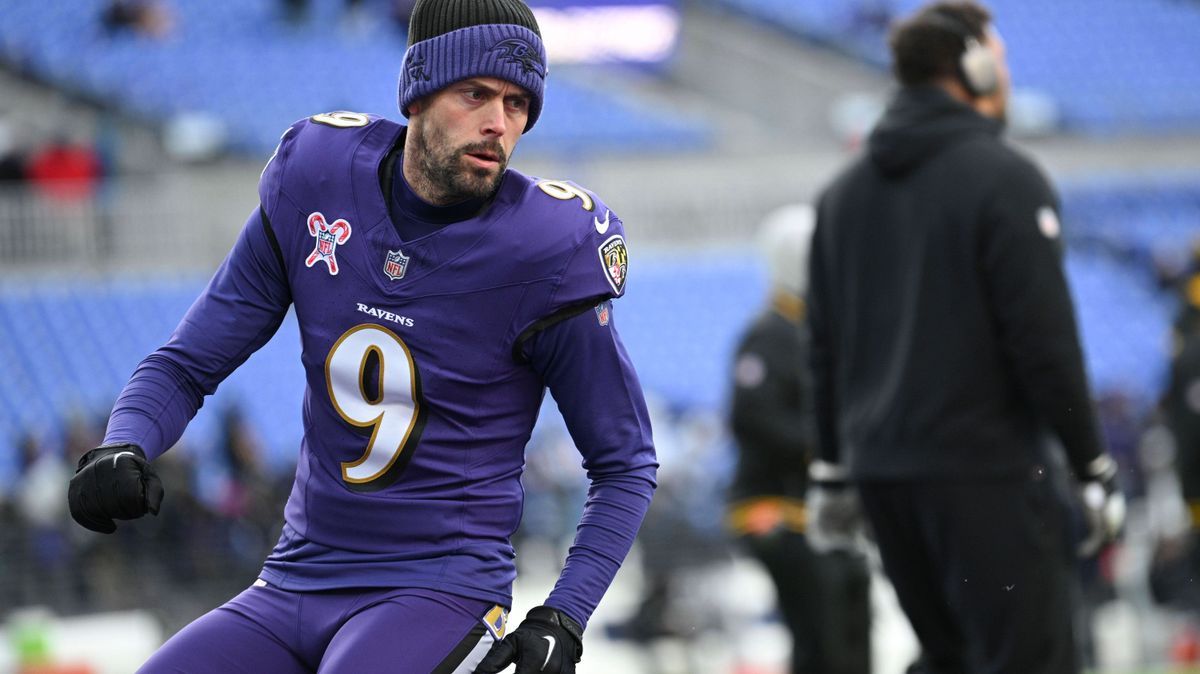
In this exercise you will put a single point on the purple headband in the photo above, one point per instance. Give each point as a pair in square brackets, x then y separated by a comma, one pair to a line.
[505, 51]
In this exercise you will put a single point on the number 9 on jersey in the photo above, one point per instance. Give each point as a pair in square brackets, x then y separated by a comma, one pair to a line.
[373, 383]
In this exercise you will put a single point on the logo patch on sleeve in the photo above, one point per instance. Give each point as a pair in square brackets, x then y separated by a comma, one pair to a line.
[1048, 222]
[614, 257]
[750, 371]
[496, 621]
[602, 312]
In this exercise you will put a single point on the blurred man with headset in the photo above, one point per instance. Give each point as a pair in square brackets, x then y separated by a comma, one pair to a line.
[945, 351]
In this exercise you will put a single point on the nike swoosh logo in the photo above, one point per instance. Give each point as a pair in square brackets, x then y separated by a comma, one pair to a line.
[548, 638]
[602, 227]
[119, 455]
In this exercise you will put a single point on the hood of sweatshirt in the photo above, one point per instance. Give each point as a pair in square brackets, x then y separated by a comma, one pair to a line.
[918, 124]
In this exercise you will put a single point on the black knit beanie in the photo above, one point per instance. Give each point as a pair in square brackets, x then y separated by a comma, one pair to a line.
[431, 18]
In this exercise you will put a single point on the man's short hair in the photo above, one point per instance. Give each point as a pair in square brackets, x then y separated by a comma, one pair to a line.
[926, 46]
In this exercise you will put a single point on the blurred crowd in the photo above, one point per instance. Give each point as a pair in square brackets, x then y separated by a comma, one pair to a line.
[207, 543]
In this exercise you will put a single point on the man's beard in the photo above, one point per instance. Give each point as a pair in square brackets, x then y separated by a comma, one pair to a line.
[442, 167]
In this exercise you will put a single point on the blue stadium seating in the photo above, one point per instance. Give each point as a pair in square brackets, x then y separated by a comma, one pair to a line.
[1112, 65]
[258, 74]
[1153, 216]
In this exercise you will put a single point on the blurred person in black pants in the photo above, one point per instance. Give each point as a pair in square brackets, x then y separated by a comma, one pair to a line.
[1188, 320]
[1182, 401]
[1181, 405]
[824, 597]
[945, 351]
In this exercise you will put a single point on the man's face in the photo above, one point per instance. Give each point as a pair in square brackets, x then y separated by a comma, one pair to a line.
[998, 105]
[460, 138]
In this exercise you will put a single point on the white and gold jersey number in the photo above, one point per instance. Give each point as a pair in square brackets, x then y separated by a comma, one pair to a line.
[389, 403]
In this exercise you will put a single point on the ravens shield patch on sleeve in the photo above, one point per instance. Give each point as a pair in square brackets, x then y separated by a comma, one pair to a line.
[614, 257]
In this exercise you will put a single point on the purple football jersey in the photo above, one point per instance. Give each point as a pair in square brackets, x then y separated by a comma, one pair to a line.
[420, 391]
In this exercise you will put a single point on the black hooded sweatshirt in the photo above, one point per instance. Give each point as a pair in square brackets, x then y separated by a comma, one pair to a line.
[944, 342]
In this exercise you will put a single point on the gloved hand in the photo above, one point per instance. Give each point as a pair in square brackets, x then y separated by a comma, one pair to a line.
[1103, 505]
[548, 641]
[834, 516]
[113, 482]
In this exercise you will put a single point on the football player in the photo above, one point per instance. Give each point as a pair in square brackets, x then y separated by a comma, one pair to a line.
[439, 294]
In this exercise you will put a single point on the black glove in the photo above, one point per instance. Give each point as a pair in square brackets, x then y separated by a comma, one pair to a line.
[1103, 505]
[835, 519]
[548, 641]
[113, 482]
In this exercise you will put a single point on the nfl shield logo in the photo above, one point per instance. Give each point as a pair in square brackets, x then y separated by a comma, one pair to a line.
[325, 243]
[395, 265]
[602, 312]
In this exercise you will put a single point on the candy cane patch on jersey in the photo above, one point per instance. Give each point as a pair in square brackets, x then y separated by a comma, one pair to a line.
[329, 236]
[614, 258]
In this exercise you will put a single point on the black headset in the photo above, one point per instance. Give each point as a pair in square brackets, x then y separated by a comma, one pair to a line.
[977, 68]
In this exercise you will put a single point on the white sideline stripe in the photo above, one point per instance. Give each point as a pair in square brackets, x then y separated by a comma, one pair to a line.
[475, 657]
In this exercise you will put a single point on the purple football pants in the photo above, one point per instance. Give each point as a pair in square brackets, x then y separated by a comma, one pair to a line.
[363, 631]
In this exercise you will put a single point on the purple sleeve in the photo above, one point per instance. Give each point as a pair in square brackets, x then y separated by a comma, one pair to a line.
[236, 314]
[593, 381]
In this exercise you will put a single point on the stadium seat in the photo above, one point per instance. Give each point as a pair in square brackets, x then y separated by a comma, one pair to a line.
[1113, 66]
[241, 63]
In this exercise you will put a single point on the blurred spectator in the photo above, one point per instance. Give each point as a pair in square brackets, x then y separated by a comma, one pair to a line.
[554, 498]
[298, 11]
[1188, 321]
[142, 17]
[40, 498]
[1122, 426]
[682, 545]
[239, 453]
[64, 170]
[245, 501]
[1179, 561]
[823, 596]
[12, 162]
